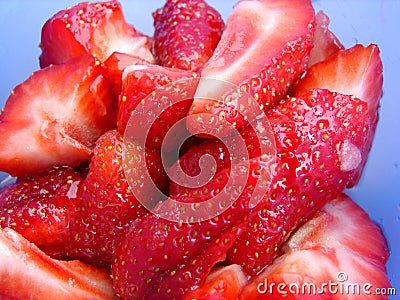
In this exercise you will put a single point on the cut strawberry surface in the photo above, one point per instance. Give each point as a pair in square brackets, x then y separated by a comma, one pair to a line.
[97, 28]
[320, 252]
[312, 134]
[355, 71]
[186, 34]
[41, 208]
[28, 273]
[109, 198]
[325, 41]
[224, 283]
[264, 48]
[153, 90]
[54, 117]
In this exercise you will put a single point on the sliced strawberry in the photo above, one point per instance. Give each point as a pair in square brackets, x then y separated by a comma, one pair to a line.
[28, 273]
[109, 200]
[115, 64]
[319, 142]
[224, 283]
[97, 28]
[171, 251]
[356, 71]
[41, 208]
[264, 48]
[55, 116]
[332, 262]
[325, 41]
[186, 33]
[143, 88]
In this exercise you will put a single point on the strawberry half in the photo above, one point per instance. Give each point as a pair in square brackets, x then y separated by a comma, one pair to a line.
[28, 273]
[355, 71]
[41, 208]
[320, 251]
[109, 197]
[97, 28]
[319, 140]
[186, 34]
[263, 50]
[169, 252]
[152, 90]
[55, 116]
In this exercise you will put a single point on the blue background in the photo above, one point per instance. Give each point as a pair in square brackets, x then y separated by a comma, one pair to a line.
[353, 21]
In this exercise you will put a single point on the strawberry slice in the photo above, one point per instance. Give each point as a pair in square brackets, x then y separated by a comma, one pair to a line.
[171, 251]
[143, 89]
[321, 252]
[325, 41]
[41, 208]
[186, 33]
[263, 50]
[97, 28]
[224, 283]
[109, 200]
[356, 71]
[55, 116]
[28, 273]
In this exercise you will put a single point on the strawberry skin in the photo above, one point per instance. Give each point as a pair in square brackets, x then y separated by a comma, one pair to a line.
[55, 116]
[97, 28]
[109, 204]
[170, 251]
[355, 71]
[320, 250]
[143, 88]
[186, 34]
[28, 273]
[41, 208]
[319, 140]
[256, 57]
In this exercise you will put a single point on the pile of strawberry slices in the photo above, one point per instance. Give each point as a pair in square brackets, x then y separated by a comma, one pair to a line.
[207, 161]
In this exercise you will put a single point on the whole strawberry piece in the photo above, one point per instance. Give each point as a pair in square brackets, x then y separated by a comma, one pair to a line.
[28, 273]
[321, 253]
[55, 117]
[264, 48]
[355, 71]
[186, 33]
[110, 196]
[41, 208]
[97, 28]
